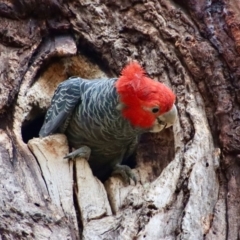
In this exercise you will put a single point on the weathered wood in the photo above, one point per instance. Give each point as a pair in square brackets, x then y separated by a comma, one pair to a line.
[23, 215]
[92, 196]
[57, 172]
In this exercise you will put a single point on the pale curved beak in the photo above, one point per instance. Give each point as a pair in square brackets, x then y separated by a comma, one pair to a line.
[165, 121]
[168, 118]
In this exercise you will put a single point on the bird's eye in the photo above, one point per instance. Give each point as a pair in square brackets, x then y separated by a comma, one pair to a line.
[155, 109]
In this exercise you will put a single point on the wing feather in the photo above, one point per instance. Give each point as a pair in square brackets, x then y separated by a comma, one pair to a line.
[65, 99]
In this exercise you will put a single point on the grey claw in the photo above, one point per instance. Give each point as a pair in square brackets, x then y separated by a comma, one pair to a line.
[82, 152]
[125, 172]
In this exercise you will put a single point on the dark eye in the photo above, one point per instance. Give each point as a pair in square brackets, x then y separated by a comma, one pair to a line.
[155, 109]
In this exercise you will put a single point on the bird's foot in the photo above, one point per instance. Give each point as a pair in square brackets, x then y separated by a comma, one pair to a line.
[82, 152]
[125, 172]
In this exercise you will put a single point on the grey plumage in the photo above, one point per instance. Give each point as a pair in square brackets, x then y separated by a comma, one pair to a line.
[86, 111]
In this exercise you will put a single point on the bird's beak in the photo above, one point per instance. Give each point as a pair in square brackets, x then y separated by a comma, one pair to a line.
[166, 120]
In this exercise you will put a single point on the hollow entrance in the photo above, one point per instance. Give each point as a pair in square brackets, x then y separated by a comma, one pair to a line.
[30, 128]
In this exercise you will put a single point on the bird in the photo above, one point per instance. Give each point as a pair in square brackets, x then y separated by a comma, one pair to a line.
[103, 119]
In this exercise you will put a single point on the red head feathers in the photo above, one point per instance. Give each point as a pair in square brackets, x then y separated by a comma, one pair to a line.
[140, 95]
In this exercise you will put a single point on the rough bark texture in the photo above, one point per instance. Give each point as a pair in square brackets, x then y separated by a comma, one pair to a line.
[188, 176]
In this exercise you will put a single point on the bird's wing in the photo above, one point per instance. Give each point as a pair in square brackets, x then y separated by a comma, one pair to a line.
[65, 99]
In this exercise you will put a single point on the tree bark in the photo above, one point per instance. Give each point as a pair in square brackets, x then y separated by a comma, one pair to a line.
[187, 176]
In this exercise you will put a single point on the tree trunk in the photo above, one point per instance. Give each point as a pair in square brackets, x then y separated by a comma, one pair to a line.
[187, 176]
